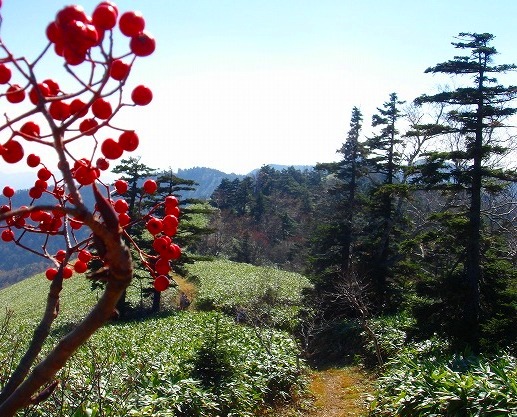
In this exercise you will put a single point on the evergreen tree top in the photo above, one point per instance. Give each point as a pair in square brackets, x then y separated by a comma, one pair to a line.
[479, 60]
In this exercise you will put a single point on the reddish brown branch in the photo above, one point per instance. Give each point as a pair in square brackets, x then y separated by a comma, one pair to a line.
[120, 277]
[39, 336]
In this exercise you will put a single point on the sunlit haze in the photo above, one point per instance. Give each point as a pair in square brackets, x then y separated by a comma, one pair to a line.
[243, 83]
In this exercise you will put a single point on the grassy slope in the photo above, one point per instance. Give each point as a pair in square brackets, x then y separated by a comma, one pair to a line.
[27, 298]
[147, 361]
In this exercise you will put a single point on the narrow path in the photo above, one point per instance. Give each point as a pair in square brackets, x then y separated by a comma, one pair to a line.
[340, 392]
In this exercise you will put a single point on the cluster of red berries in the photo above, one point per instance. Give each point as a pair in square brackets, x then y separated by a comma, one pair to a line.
[163, 231]
[74, 33]
[128, 141]
[44, 221]
[79, 266]
[78, 38]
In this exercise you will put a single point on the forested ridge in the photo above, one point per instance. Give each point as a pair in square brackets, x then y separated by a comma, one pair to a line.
[419, 217]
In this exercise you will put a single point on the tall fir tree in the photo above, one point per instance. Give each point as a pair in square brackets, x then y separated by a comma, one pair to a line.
[333, 240]
[475, 112]
[384, 216]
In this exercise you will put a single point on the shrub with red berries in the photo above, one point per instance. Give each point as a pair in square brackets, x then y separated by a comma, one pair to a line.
[41, 114]
[80, 39]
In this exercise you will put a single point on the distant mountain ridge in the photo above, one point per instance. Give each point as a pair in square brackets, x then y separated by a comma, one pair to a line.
[208, 179]
[16, 264]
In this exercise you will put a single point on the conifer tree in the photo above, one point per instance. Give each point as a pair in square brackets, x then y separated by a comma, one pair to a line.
[475, 112]
[334, 237]
[384, 165]
[133, 172]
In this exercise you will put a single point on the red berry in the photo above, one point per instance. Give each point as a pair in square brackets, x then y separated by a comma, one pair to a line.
[19, 222]
[111, 149]
[91, 36]
[70, 13]
[142, 44]
[8, 191]
[169, 230]
[15, 94]
[88, 126]
[174, 210]
[170, 221]
[53, 33]
[121, 206]
[161, 283]
[30, 130]
[44, 174]
[7, 235]
[67, 272]
[73, 56]
[101, 109]
[86, 174]
[35, 193]
[41, 185]
[162, 266]
[154, 226]
[102, 164]
[59, 110]
[80, 267]
[60, 255]
[124, 219]
[51, 273]
[36, 215]
[33, 160]
[53, 86]
[5, 74]
[78, 108]
[59, 49]
[12, 152]
[105, 16]
[160, 244]
[171, 201]
[141, 95]
[119, 70]
[121, 186]
[43, 89]
[75, 224]
[128, 140]
[150, 186]
[174, 251]
[131, 23]
[84, 255]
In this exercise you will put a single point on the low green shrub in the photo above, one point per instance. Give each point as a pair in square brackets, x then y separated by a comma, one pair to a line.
[418, 383]
[391, 333]
[161, 367]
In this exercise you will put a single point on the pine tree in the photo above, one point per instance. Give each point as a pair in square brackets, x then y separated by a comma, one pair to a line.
[476, 111]
[384, 215]
[332, 243]
[133, 172]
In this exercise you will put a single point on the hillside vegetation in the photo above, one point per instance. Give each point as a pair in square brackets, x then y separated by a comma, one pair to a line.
[185, 363]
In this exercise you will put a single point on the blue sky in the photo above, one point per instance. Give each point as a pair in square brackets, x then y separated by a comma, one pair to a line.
[240, 84]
